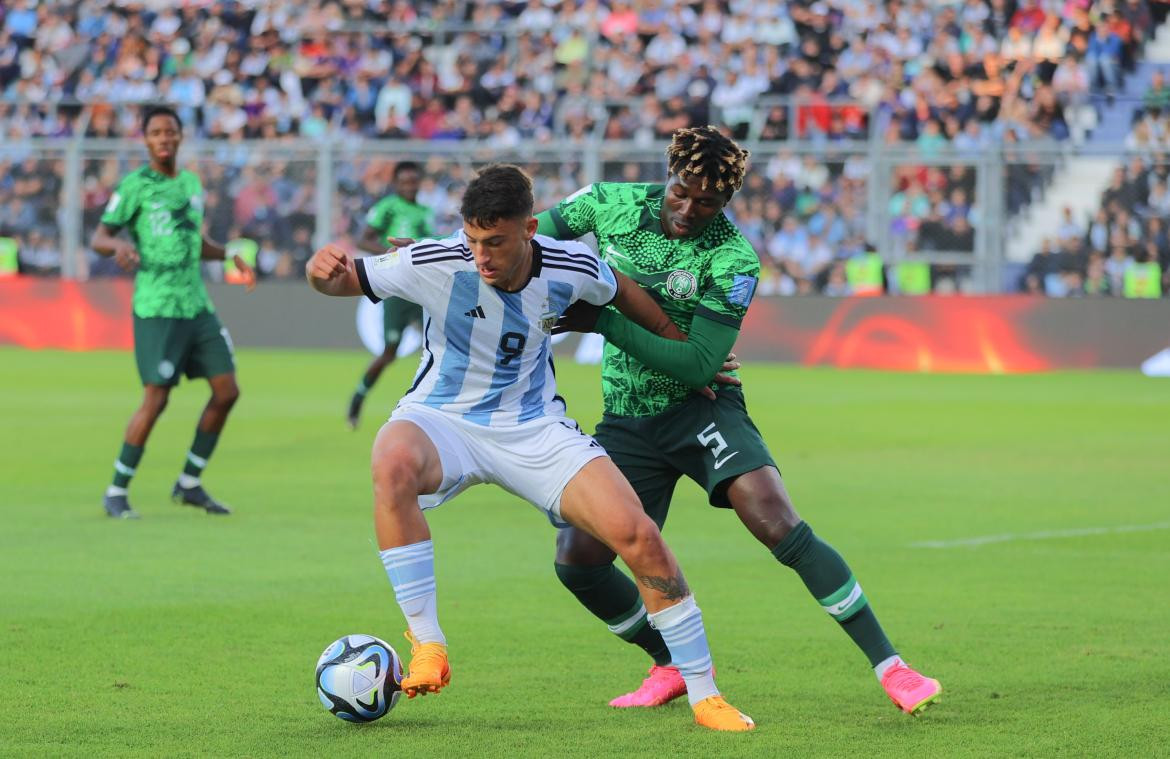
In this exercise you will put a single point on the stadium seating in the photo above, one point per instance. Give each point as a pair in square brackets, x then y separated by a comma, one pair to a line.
[841, 78]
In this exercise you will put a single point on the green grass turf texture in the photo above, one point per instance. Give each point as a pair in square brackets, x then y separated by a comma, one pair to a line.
[189, 635]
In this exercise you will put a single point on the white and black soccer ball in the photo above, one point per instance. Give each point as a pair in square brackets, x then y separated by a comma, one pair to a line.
[359, 678]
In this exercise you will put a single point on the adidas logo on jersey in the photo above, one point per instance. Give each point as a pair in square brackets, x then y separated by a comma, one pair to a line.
[475, 313]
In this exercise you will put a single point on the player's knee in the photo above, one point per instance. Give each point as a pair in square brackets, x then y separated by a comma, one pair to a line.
[770, 518]
[396, 472]
[226, 395]
[155, 401]
[227, 398]
[580, 549]
[640, 541]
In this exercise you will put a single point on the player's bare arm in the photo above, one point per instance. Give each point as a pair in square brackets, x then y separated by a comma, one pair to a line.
[637, 305]
[372, 241]
[106, 242]
[331, 271]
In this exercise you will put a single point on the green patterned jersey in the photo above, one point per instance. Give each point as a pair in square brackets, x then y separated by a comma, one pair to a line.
[713, 276]
[394, 216]
[164, 216]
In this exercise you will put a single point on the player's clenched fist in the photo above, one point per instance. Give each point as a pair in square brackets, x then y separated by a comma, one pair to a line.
[328, 262]
[331, 271]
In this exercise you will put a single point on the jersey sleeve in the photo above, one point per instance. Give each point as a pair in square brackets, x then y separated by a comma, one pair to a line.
[573, 217]
[122, 205]
[390, 274]
[599, 290]
[729, 287]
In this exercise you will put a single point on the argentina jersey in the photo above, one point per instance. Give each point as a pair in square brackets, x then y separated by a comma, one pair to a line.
[487, 356]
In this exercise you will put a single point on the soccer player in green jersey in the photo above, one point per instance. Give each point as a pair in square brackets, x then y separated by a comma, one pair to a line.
[176, 330]
[396, 216]
[676, 242]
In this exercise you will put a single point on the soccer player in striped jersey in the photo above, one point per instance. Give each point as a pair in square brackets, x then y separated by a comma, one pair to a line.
[675, 241]
[483, 408]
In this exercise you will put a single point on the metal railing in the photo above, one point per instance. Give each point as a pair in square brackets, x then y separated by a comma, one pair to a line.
[296, 194]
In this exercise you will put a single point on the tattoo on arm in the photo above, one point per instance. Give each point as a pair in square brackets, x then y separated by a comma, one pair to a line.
[674, 588]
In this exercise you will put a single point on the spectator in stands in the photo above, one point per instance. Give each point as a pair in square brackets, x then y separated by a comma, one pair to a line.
[1096, 280]
[1115, 267]
[1103, 59]
[40, 254]
[1044, 263]
[1156, 99]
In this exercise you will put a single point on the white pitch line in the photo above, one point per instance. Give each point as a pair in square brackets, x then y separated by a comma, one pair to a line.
[1043, 535]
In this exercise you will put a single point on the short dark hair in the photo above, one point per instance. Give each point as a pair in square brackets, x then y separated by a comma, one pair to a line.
[499, 191]
[160, 110]
[404, 166]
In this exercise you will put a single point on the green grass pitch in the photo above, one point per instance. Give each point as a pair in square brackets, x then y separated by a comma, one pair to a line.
[188, 635]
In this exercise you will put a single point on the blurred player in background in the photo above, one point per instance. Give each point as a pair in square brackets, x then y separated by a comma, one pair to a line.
[676, 242]
[176, 331]
[397, 215]
[484, 408]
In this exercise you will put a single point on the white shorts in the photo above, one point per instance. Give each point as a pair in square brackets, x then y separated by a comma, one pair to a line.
[534, 460]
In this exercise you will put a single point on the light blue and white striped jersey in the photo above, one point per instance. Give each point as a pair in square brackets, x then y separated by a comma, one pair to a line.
[486, 353]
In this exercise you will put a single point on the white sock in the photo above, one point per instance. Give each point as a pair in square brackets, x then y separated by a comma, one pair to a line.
[411, 570]
[880, 668]
[681, 627]
[188, 480]
[115, 490]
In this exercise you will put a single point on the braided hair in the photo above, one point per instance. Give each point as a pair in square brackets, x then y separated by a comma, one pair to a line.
[704, 152]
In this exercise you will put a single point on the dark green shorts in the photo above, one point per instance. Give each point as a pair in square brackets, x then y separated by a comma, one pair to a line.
[166, 348]
[712, 442]
[397, 315]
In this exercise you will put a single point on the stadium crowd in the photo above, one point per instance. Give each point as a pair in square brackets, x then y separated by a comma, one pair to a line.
[938, 78]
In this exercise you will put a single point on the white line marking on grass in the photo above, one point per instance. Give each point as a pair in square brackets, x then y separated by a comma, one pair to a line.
[1042, 535]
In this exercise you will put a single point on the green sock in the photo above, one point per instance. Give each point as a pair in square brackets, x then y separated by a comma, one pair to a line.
[200, 452]
[827, 577]
[363, 386]
[614, 599]
[126, 463]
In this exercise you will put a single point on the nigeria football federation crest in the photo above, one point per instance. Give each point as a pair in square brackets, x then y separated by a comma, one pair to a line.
[681, 284]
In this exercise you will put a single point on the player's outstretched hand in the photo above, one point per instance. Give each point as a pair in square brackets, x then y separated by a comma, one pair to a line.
[249, 281]
[126, 256]
[579, 317]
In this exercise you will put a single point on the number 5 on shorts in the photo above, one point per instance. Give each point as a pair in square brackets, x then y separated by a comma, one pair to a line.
[711, 435]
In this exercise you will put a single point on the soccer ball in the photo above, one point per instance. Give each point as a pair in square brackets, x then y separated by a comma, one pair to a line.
[359, 678]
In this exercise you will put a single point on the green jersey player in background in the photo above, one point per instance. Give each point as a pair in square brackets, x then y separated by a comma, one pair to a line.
[176, 330]
[675, 241]
[395, 216]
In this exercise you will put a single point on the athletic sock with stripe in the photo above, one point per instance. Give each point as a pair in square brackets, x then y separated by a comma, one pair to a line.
[828, 578]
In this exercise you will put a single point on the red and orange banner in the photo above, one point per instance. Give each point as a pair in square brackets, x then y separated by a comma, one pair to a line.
[981, 334]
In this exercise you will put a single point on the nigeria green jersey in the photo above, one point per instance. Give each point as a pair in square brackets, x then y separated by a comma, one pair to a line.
[712, 276]
[394, 216]
[165, 220]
